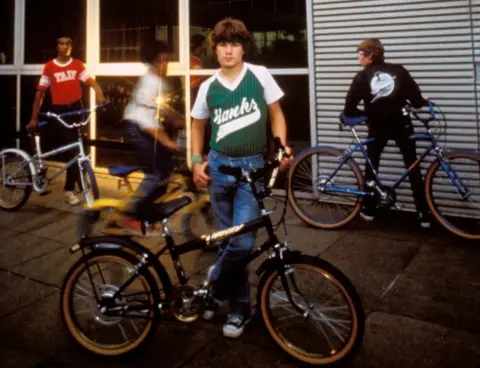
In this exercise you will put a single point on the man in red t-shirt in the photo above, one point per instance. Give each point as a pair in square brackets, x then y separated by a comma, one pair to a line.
[62, 76]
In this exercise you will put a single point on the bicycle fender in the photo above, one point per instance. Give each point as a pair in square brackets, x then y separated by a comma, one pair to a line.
[108, 242]
[274, 263]
[100, 204]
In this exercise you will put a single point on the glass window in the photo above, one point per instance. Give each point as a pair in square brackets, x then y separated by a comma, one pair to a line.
[113, 147]
[48, 20]
[278, 28]
[7, 15]
[125, 25]
[8, 95]
[49, 133]
[295, 106]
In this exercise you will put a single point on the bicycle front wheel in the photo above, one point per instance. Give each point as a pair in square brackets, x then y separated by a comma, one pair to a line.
[89, 182]
[15, 181]
[453, 193]
[322, 193]
[322, 321]
[100, 323]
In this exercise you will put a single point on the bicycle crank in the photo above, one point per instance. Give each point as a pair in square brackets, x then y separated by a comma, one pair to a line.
[187, 307]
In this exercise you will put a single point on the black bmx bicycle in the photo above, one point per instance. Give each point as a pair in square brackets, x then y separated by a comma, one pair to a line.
[114, 296]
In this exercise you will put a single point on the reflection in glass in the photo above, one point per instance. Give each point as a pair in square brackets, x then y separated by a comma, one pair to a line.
[8, 95]
[112, 146]
[295, 106]
[125, 25]
[278, 28]
[7, 14]
[46, 21]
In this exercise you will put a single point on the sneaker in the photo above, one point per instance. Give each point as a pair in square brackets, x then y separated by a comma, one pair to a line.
[72, 199]
[424, 220]
[367, 214]
[135, 226]
[235, 325]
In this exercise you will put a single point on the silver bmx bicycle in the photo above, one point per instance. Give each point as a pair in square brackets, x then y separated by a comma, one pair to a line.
[21, 173]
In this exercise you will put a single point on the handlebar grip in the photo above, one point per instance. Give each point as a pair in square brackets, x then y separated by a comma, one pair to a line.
[42, 124]
[229, 170]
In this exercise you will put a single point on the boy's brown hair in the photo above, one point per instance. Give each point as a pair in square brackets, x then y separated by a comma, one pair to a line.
[230, 30]
[374, 47]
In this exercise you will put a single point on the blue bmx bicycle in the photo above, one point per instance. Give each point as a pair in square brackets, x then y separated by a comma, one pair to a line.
[326, 187]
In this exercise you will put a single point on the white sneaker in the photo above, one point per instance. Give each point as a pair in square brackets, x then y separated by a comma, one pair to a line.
[235, 325]
[72, 199]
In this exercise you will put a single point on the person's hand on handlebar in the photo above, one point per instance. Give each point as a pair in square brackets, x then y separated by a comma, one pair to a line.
[200, 177]
[32, 125]
[287, 158]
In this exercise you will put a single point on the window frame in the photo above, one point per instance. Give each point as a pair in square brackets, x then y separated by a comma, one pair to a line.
[180, 68]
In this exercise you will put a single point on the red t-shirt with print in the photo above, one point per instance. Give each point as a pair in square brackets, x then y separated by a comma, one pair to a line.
[64, 80]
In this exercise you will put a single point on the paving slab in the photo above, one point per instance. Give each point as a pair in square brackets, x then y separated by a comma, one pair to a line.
[55, 230]
[39, 218]
[50, 268]
[441, 285]
[22, 247]
[18, 291]
[11, 219]
[12, 358]
[172, 344]
[43, 334]
[6, 233]
[235, 353]
[400, 342]
[371, 263]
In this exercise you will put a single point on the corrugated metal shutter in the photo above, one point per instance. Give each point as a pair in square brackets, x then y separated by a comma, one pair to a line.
[432, 39]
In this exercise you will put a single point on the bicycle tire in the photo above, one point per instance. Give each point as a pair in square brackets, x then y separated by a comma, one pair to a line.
[71, 323]
[434, 208]
[27, 190]
[345, 287]
[297, 208]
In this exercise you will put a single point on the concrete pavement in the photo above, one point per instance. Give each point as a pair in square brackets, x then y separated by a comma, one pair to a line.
[421, 292]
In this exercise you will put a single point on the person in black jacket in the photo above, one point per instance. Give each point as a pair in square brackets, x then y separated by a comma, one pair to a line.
[385, 89]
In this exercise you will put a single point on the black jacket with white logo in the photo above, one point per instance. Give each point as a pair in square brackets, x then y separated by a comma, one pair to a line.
[384, 88]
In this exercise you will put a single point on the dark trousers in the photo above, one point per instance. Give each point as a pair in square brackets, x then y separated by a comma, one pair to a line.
[63, 136]
[156, 163]
[401, 133]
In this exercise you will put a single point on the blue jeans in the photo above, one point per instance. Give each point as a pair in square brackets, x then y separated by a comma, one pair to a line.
[233, 204]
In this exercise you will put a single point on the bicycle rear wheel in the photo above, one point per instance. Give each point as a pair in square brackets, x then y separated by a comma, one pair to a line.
[15, 181]
[100, 323]
[319, 197]
[457, 214]
[330, 325]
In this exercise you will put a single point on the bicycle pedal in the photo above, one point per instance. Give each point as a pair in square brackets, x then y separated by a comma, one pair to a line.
[44, 193]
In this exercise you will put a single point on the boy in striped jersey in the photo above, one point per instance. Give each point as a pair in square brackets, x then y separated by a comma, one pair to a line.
[235, 101]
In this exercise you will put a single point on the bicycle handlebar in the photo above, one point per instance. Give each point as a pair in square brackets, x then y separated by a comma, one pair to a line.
[59, 117]
[251, 176]
[431, 107]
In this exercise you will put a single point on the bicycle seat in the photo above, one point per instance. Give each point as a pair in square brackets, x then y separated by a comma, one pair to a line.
[352, 120]
[122, 171]
[161, 211]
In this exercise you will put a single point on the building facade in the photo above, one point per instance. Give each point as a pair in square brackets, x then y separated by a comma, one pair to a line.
[308, 45]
